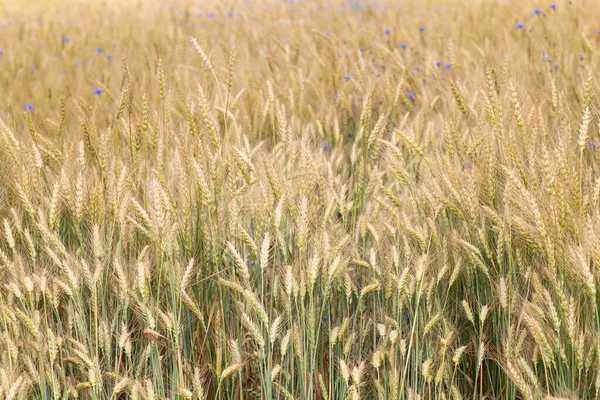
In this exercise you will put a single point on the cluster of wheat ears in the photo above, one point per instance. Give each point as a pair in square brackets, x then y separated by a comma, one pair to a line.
[295, 205]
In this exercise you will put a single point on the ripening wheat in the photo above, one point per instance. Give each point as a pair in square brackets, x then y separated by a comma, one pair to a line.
[299, 200]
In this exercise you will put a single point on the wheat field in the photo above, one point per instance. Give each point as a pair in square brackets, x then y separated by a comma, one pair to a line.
[299, 199]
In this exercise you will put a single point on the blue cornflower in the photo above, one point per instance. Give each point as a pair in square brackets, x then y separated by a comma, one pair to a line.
[326, 147]
[598, 32]
[347, 78]
[447, 66]
[67, 39]
[406, 318]
[421, 29]
[553, 6]
[556, 67]
[99, 50]
[537, 11]
[1, 53]
[592, 145]
[520, 25]
[230, 13]
[109, 57]
[211, 15]
[326, 319]
[29, 107]
[438, 63]
[411, 95]
[98, 91]
[387, 32]
[469, 164]
[403, 46]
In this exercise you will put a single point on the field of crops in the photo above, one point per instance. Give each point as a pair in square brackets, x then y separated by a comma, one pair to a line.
[299, 199]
